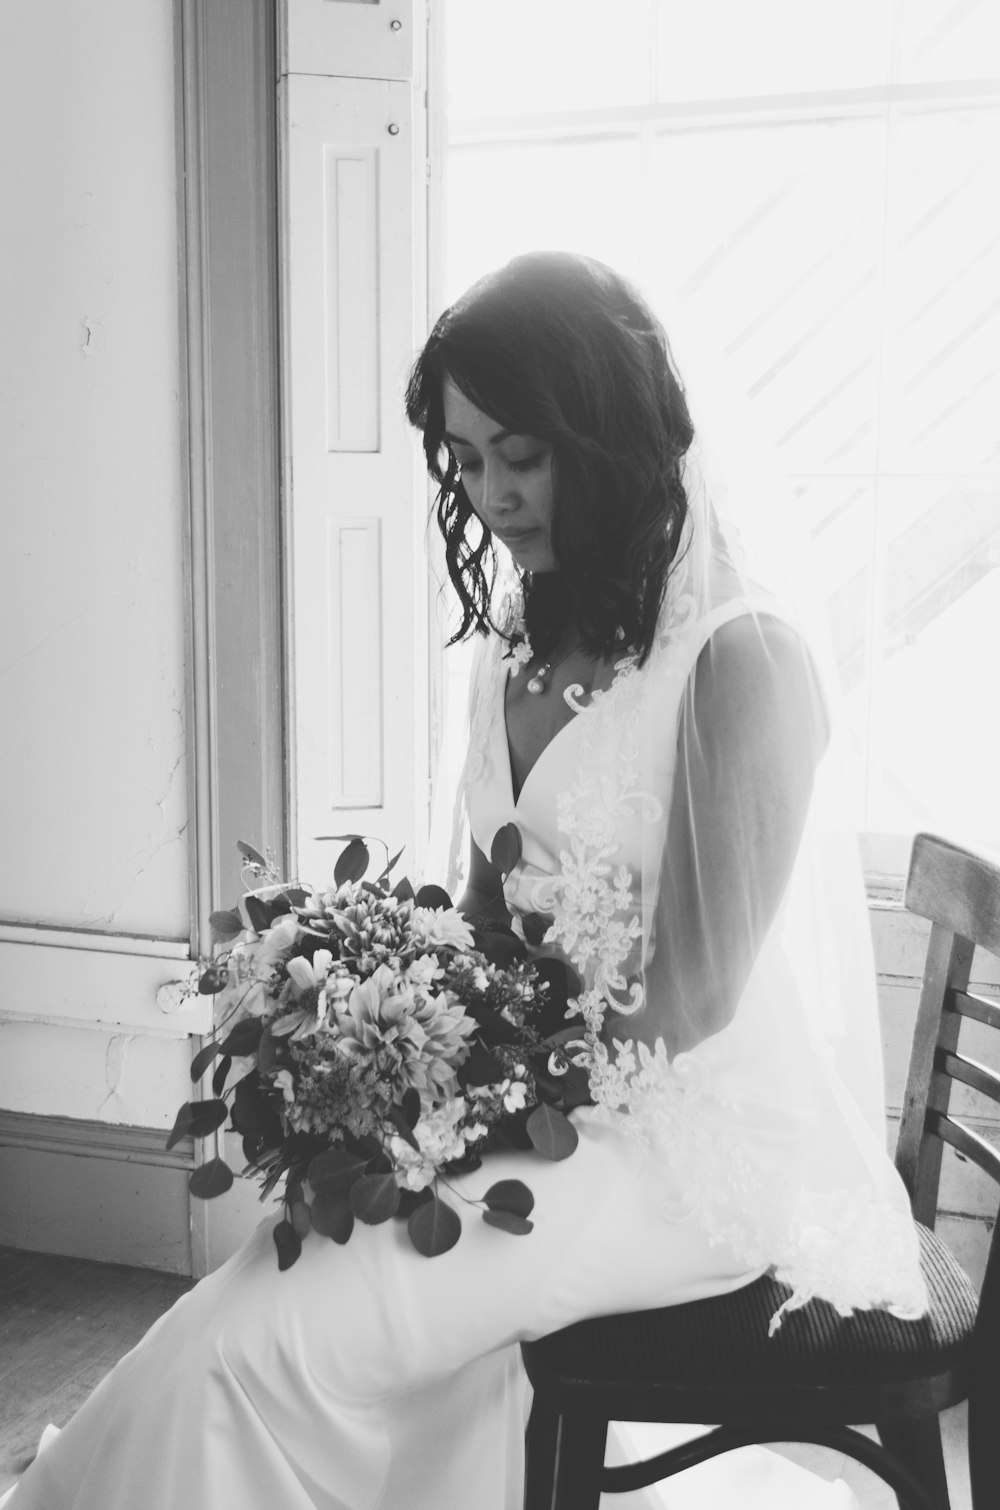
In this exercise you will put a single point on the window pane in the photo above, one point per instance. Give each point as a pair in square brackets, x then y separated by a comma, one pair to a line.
[766, 240]
[577, 195]
[941, 375]
[948, 39]
[936, 718]
[723, 48]
[526, 56]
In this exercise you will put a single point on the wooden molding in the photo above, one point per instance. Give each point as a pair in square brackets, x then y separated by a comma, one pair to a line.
[94, 1140]
[228, 216]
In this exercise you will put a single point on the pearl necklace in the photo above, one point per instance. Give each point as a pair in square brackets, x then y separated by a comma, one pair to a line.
[536, 683]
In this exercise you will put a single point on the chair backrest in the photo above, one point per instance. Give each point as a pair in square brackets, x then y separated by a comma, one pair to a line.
[959, 892]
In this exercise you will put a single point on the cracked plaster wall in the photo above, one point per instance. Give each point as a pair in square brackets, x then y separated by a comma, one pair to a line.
[92, 597]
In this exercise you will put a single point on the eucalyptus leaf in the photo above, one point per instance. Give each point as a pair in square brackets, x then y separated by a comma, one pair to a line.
[434, 1227]
[221, 1075]
[403, 890]
[410, 1106]
[331, 1214]
[505, 851]
[480, 1068]
[244, 1038]
[510, 1195]
[213, 980]
[409, 1200]
[433, 896]
[196, 1119]
[288, 1244]
[536, 925]
[551, 1134]
[226, 925]
[335, 1167]
[403, 1127]
[202, 1060]
[352, 862]
[212, 1178]
[260, 913]
[267, 1057]
[375, 1198]
[251, 855]
[508, 1221]
[300, 1217]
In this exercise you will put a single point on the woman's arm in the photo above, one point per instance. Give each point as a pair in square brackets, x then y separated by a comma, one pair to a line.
[753, 727]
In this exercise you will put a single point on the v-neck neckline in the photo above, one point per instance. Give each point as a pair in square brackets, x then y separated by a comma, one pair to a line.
[596, 699]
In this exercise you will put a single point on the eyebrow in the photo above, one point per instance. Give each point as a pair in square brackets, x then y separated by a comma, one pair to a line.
[495, 440]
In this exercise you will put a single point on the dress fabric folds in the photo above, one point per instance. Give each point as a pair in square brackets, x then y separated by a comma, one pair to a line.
[367, 1377]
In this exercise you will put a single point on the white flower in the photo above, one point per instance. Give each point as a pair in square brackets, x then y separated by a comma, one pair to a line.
[440, 928]
[284, 1079]
[515, 1095]
[413, 1038]
[423, 970]
[480, 979]
[440, 1140]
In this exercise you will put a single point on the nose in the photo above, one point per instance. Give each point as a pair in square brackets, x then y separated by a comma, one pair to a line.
[499, 499]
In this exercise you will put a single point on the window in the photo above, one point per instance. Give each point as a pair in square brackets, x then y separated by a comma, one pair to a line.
[812, 190]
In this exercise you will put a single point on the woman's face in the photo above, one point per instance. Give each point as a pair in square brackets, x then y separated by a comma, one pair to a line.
[507, 479]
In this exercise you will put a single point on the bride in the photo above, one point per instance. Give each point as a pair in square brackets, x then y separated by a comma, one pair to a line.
[644, 709]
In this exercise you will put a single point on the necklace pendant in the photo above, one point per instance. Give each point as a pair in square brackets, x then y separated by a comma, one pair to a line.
[536, 685]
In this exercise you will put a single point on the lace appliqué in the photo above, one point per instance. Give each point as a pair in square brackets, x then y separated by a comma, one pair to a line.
[849, 1246]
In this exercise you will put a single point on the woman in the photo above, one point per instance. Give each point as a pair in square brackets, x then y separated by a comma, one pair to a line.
[649, 719]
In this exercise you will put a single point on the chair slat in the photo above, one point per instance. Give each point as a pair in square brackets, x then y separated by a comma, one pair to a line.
[970, 1072]
[965, 1141]
[961, 891]
[968, 1004]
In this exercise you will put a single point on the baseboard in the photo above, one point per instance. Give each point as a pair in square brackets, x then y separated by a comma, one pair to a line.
[95, 1190]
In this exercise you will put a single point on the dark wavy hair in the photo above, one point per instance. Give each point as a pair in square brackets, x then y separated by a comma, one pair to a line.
[559, 347]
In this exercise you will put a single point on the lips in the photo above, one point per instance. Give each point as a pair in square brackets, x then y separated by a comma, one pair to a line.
[514, 537]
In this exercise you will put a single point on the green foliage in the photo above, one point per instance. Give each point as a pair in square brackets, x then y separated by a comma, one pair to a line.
[210, 1179]
[221, 1075]
[288, 1243]
[551, 1134]
[508, 1221]
[480, 1068]
[352, 862]
[331, 1214]
[510, 1195]
[196, 1119]
[434, 1227]
[505, 851]
[244, 1038]
[213, 980]
[433, 896]
[202, 1060]
[226, 926]
[375, 1198]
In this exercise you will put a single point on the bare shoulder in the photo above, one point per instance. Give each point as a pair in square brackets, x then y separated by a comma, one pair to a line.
[758, 673]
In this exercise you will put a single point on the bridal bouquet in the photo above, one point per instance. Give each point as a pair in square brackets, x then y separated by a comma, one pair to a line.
[370, 1043]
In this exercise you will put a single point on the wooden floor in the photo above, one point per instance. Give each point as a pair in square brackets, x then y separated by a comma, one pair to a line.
[64, 1322]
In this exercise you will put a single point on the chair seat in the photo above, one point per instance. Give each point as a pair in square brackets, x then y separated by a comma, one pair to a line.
[724, 1341]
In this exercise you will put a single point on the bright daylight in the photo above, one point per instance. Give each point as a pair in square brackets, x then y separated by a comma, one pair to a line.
[500, 923]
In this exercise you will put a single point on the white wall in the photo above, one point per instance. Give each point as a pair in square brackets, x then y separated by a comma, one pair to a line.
[91, 666]
[92, 598]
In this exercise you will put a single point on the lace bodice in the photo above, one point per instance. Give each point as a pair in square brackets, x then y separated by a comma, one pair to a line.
[766, 1138]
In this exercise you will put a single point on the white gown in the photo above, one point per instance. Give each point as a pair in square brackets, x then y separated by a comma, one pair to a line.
[367, 1377]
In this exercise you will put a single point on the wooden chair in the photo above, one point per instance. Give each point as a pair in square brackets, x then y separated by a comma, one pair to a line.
[712, 1360]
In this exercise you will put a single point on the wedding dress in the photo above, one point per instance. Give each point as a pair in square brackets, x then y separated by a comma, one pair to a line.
[367, 1377]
